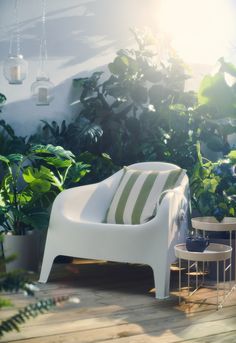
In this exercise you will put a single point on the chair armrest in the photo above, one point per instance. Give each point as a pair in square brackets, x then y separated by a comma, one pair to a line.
[87, 203]
[174, 206]
[81, 203]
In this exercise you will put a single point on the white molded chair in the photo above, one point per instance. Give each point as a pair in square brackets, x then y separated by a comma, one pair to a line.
[76, 228]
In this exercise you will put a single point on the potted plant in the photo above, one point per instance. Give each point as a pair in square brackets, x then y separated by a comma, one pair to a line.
[213, 194]
[213, 186]
[29, 185]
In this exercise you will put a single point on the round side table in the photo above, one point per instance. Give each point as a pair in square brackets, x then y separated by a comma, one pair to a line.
[214, 252]
[211, 224]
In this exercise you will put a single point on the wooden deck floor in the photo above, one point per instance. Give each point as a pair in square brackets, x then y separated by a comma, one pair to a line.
[117, 305]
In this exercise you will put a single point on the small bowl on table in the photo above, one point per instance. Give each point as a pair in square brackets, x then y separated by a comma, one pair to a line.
[197, 244]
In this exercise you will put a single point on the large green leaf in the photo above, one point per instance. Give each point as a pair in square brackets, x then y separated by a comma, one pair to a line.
[232, 156]
[215, 143]
[210, 184]
[139, 94]
[152, 75]
[4, 159]
[227, 67]
[216, 94]
[40, 186]
[158, 94]
[57, 151]
[37, 219]
[43, 174]
[119, 66]
[78, 171]
[30, 174]
[15, 158]
[7, 128]
[3, 99]
[24, 197]
[58, 162]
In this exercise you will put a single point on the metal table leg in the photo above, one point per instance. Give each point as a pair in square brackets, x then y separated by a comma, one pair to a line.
[179, 280]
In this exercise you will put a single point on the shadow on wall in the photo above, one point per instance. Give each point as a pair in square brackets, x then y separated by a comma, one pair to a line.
[77, 32]
[81, 37]
[25, 116]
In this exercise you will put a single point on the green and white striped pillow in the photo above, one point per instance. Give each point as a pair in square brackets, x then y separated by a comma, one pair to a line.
[138, 194]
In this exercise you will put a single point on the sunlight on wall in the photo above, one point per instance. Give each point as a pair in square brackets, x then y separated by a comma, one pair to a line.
[200, 30]
[82, 36]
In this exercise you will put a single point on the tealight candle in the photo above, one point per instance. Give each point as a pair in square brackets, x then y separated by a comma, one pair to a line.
[15, 74]
[43, 96]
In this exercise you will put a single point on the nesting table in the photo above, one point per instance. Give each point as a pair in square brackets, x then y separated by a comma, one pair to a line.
[228, 224]
[214, 252]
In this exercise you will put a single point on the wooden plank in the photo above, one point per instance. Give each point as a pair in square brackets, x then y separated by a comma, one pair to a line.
[151, 332]
[229, 337]
[100, 303]
[134, 322]
[115, 307]
[191, 333]
[89, 297]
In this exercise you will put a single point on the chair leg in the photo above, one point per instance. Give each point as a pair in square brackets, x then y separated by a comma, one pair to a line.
[162, 281]
[46, 267]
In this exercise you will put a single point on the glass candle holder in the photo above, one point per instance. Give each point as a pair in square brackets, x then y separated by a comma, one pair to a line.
[15, 69]
[41, 91]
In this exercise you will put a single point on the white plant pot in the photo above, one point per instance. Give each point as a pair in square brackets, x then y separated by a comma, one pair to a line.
[26, 249]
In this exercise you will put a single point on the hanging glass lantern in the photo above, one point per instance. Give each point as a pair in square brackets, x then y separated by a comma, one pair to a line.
[15, 67]
[42, 88]
[42, 91]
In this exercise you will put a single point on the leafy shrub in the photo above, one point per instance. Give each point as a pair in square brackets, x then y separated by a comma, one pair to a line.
[213, 186]
[10, 142]
[215, 114]
[31, 182]
[142, 109]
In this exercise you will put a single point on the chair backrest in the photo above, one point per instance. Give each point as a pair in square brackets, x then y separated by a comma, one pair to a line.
[108, 187]
[114, 180]
[161, 166]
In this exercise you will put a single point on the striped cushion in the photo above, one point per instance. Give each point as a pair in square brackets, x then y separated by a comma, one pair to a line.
[138, 194]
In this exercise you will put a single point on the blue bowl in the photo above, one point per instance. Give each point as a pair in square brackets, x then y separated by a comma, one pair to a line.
[197, 244]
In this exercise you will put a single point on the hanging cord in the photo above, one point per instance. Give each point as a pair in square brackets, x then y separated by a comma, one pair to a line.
[43, 43]
[17, 28]
[15, 35]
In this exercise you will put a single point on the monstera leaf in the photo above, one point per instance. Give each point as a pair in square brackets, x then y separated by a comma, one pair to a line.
[41, 179]
[37, 219]
[50, 149]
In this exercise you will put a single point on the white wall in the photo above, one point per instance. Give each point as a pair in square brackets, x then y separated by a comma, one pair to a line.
[82, 36]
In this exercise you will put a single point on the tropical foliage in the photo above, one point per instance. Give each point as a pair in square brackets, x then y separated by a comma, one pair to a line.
[30, 182]
[10, 142]
[213, 186]
[216, 111]
[140, 111]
